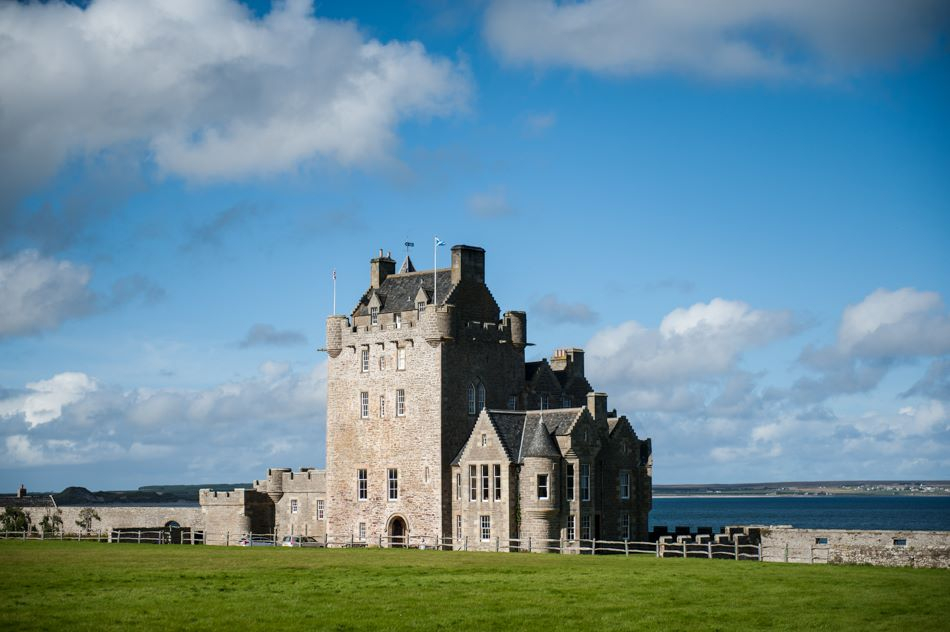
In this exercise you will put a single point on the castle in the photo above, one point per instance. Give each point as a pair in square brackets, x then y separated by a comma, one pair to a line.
[437, 426]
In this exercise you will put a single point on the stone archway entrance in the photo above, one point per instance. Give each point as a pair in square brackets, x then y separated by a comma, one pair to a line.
[397, 531]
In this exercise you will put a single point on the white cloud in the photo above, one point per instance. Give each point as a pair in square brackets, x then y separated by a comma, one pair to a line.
[38, 293]
[903, 322]
[490, 204]
[720, 39]
[704, 340]
[551, 309]
[212, 91]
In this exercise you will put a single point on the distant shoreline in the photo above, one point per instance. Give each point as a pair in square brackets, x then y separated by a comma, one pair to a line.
[801, 495]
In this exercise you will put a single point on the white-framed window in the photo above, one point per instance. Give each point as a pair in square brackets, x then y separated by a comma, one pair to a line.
[569, 481]
[364, 360]
[382, 361]
[393, 484]
[585, 482]
[484, 439]
[361, 532]
[373, 315]
[481, 396]
[420, 309]
[458, 486]
[542, 486]
[364, 404]
[484, 482]
[400, 358]
[625, 526]
[458, 526]
[361, 491]
[471, 399]
[472, 482]
[400, 402]
[624, 485]
[485, 528]
[320, 509]
[512, 402]
[565, 401]
[585, 527]
[497, 477]
[397, 320]
[294, 505]
[571, 533]
[382, 405]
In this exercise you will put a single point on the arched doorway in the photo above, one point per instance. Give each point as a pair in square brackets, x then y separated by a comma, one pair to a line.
[397, 531]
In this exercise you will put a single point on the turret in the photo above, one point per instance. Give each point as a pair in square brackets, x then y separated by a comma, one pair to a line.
[335, 326]
[275, 482]
[437, 323]
[518, 325]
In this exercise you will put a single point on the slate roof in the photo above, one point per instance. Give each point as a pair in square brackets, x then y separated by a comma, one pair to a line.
[530, 368]
[537, 439]
[560, 420]
[398, 291]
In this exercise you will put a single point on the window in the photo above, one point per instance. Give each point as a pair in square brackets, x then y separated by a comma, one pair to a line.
[373, 315]
[472, 482]
[364, 362]
[565, 401]
[421, 308]
[382, 405]
[625, 526]
[426, 478]
[484, 482]
[543, 400]
[364, 404]
[512, 402]
[486, 528]
[570, 481]
[821, 540]
[585, 527]
[497, 473]
[542, 486]
[458, 486]
[471, 399]
[458, 526]
[320, 510]
[900, 541]
[397, 320]
[484, 439]
[393, 484]
[481, 397]
[625, 485]
[362, 532]
[294, 506]
[361, 485]
[400, 402]
[382, 362]
[571, 534]
[585, 481]
[401, 359]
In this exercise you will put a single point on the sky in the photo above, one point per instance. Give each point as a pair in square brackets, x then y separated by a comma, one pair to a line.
[739, 209]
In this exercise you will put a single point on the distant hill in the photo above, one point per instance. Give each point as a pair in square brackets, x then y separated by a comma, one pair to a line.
[147, 495]
[809, 488]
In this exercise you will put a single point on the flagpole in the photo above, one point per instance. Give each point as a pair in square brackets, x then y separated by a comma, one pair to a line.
[334, 291]
[435, 265]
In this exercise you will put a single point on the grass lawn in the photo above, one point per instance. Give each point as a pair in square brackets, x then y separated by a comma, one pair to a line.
[85, 585]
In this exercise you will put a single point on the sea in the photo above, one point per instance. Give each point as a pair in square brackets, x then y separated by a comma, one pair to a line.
[927, 513]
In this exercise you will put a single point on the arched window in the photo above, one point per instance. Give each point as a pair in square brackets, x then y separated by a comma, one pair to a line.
[471, 399]
[481, 396]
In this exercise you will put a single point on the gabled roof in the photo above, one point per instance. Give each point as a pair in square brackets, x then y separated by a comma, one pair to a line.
[560, 421]
[537, 441]
[398, 292]
[523, 434]
[407, 266]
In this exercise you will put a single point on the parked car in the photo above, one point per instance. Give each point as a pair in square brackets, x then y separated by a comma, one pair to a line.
[256, 540]
[301, 540]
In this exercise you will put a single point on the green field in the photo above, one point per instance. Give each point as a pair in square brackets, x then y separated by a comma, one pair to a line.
[74, 585]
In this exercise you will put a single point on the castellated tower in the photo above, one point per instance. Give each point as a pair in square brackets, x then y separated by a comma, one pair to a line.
[420, 350]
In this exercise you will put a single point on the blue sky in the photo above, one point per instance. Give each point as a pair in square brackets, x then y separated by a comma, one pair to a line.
[741, 211]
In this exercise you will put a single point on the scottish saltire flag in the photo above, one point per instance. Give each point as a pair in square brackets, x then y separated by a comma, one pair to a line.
[334, 274]
[439, 242]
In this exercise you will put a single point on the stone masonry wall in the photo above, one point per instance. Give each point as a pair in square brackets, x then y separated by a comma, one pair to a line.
[929, 549]
[124, 517]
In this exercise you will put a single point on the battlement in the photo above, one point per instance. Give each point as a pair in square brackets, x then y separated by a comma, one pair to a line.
[212, 498]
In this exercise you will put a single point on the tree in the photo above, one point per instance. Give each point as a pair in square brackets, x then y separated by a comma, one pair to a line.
[52, 524]
[86, 516]
[14, 519]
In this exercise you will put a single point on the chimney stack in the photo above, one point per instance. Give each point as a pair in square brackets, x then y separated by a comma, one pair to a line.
[597, 405]
[380, 268]
[468, 264]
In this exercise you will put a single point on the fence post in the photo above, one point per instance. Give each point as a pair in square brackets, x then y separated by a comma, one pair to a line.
[138, 539]
[658, 544]
[736, 544]
[593, 547]
[786, 552]
[760, 551]
[709, 549]
[326, 539]
[275, 536]
[465, 544]
[626, 548]
[497, 544]
[529, 544]
[100, 534]
[227, 538]
[351, 539]
[380, 539]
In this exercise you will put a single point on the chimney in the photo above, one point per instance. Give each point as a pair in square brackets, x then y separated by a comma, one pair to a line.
[570, 360]
[21, 493]
[380, 268]
[468, 264]
[597, 405]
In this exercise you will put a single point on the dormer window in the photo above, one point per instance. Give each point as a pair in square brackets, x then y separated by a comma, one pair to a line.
[397, 320]
[421, 308]
[373, 315]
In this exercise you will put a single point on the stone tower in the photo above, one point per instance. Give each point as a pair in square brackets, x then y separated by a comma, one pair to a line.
[409, 370]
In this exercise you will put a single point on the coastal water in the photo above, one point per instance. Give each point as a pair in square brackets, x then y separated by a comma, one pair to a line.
[822, 512]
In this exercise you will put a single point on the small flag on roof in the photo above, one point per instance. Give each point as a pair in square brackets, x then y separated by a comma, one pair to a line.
[439, 242]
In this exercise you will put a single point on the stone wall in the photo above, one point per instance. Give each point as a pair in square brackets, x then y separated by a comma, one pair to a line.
[930, 549]
[124, 517]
